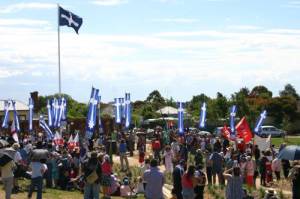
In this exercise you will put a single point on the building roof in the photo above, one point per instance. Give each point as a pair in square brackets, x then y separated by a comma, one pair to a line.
[168, 110]
[20, 106]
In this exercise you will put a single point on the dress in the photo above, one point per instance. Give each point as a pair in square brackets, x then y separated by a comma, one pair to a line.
[168, 155]
[234, 188]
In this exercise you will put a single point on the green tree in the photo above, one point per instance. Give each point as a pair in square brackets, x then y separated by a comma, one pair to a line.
[156, 100]
[289, 90]
[261, 91]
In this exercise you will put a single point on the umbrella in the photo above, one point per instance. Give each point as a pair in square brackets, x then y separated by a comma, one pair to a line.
[291, 152]
[38, 154]
[6, 155]
[3, 143]
[204, 133]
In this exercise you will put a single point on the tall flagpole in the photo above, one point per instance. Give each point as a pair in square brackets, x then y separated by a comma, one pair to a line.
[58, 40]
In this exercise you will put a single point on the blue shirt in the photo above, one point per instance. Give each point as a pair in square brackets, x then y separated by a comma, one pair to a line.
[38, 169]
[155, 182]
[122, 148]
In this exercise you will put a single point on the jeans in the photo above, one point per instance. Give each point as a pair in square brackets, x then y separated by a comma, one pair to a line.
[38, 183]
[91, 191]
[123, 157]
[8, 185]
[188, 193]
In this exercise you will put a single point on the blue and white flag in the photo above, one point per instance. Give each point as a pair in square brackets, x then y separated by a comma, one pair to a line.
[67, 18]
[260, 121]
[202, 116]
[118, 110]
[6, 114]
[232, 118]
[50, 113]
[30, 119]
[16, 117]
[46, 128]
[99, 115]
[60, 110]
[180, 117]
[92, 113]
[127, 110]
[64, 112]
[55, 111]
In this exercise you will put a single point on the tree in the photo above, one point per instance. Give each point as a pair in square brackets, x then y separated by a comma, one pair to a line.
[194, 105]
[156, 100]
[289, 90]
[261, 91]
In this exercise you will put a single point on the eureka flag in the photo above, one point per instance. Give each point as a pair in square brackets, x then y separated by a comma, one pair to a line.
[67, 18]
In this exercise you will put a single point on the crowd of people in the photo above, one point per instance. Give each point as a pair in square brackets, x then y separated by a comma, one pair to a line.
[192, 160]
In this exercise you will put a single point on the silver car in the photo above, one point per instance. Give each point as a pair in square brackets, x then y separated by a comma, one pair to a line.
[265, 131]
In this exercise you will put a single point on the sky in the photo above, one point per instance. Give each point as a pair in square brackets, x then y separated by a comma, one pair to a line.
[180, 47]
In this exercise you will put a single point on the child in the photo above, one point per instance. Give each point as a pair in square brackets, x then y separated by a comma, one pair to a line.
[106, 179]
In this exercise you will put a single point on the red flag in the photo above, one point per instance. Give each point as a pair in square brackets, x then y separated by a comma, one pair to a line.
[243, 130]
[58, 140]
[226, 132]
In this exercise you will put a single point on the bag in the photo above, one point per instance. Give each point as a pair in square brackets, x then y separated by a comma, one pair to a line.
[92, 177]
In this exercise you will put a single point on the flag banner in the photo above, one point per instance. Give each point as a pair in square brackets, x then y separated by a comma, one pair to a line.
[50, 113]
[60, 111]
[58, 140]
[226, 132]
[122, 106]
[127, 110]
[13, 132]
[99, 114]
[243, 130]
[55, 110]
[259, 122]
[64, 112]
[118, 110]
[30, 118]
[232, 117]
[180, 117]
[16, 117]
[6, 114]
[67, 18]
[92, 113]
[202, 116]
[46, 128]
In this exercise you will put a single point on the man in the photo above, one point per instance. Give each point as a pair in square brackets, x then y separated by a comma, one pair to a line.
[123, 155]
[217, 163]
[155, 181]
[7, 176]
[177, 174]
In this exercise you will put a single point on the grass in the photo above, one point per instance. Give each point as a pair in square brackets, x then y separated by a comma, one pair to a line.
[288, 140]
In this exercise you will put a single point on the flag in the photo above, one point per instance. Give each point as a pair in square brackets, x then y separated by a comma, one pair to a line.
[71, 142]
[127, 110]
[180, 117]
[58, 140]
[76, 140]
[202, 116]
[16, 117]
[6, 114]
[99, 115]
[262, 143]
[243, 130]
[55, 110]
[118, 110]
[50, 113]
[226, 132]
[13, 132]
[67, 18]
[30, 106]
[232, 116]
[60, 111]
[259, 122]
[46, 128]
[64, 112]
[92, 113]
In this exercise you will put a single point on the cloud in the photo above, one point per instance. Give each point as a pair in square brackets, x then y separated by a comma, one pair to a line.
[25, 6]
[292, 4]
[244, 27]
[22, 21]
[176, 20]
[109, 2]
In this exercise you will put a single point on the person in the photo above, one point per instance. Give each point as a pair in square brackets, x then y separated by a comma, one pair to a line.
[168, 159]
[156, 146]
[198, 157]
[7, 176]
[38, 168]
[262, 170]
[123, 155]
[143, 168]
[201, 181]
[217, 162]
[285, 167]
[155, 181]
[177, 174]
[188, 182]
[106, 168]
[250, 169]
[294, 176]
[276, 167]
[92, 183]
[234, 187]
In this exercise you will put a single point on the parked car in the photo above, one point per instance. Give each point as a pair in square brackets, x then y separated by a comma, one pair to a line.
[265, 131]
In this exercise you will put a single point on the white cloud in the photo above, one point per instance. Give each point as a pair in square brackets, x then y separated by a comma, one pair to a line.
[292, 4]
[23, 6]
[109, 2]
[176, 20]
[22, 21]
[244, 27]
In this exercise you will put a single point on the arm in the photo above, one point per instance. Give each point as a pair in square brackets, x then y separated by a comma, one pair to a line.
[226, 173]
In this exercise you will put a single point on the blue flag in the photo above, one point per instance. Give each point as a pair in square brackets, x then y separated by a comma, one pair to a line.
[118, 110]
[46, 128]
[260, 121]
[127, 110]
[202, 116]
[67, 18]
[6, 114]
[180, 117]
[16, 117]
[92, 113]
[99, 115]
[30, 106]
[232, 117]
[50, 113]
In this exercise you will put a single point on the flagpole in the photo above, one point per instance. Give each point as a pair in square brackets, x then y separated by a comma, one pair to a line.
[58, 40]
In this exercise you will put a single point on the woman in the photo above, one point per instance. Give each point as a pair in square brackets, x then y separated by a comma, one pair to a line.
[234, 187]
[188, 182]
[106, 179]
[199, 188]
[168, 159]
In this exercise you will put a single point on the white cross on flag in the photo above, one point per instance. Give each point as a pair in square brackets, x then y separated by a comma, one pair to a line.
[67, 18]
